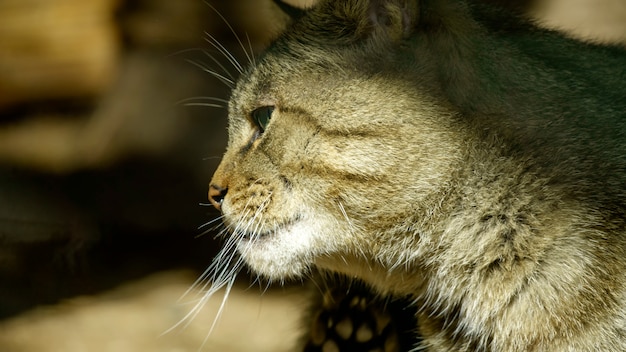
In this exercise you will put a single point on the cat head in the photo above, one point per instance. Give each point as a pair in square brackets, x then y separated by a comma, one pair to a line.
[339, 144]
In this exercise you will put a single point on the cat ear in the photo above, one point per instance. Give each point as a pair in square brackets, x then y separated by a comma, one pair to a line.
[293, 12]
[398, 18]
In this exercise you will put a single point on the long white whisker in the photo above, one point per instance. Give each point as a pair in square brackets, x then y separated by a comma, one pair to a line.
[229, 286]
[251, 50]
[233, 31]
[221, 100]
[210, 105]
[211, 222]
[227, 263]
[182, 51]
[228, 82]
[221, 273]
[231, 58]
[197, 101]
[219, 63]
[189, 317]
[222, 281]
[212, 229]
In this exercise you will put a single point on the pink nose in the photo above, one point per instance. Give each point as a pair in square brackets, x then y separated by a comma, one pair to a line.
[216, 196]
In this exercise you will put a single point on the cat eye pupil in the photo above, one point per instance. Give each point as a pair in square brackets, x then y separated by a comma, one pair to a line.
[262, 116]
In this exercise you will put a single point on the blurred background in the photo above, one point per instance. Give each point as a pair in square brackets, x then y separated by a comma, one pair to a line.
[110, 129]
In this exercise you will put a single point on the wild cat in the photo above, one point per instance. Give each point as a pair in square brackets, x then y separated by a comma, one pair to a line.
[445, 151]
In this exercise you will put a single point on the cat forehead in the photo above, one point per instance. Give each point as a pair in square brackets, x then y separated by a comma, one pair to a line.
[306, 51]
[284, 66]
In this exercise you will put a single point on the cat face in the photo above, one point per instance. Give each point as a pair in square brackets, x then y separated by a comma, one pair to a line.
[333, 158]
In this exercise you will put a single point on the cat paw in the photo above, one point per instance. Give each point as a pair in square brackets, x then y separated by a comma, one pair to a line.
[354, 319]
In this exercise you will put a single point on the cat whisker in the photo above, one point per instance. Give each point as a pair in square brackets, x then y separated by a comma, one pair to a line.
[222, 50]
[210, 230]
[209, 276]
[216, 61]
[183, 51]
[229, 286]
[219, 218]
[221, 100]
[199, 305]
[251, 50]
[226, 283]
[222, 273]
[226, 270]
[213, 222]
[210, 271]
[221, 233]
[209, 105]
[228, 82]
[197, 101]
[248, 55]
[265, 287]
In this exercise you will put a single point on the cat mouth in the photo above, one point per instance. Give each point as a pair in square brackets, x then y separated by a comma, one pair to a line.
[248, 237]
[255, 236]
[282, 250]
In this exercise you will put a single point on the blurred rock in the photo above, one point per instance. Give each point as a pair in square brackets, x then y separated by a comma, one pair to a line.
[136, 316]
[602, 21]
[56, 49]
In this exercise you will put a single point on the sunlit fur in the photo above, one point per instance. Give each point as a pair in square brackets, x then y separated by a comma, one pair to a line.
[443, 150]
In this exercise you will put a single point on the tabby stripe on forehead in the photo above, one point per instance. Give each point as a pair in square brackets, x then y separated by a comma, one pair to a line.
[339, 174]
[364, 131]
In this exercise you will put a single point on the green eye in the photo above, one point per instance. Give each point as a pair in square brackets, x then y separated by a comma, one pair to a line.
[262, 116]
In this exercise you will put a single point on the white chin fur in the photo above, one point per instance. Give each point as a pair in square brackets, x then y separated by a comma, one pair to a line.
[284, 254]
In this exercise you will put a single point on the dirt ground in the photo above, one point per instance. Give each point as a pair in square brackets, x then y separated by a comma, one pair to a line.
[136, 317]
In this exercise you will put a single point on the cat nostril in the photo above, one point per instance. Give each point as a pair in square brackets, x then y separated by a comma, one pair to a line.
[216, 196]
